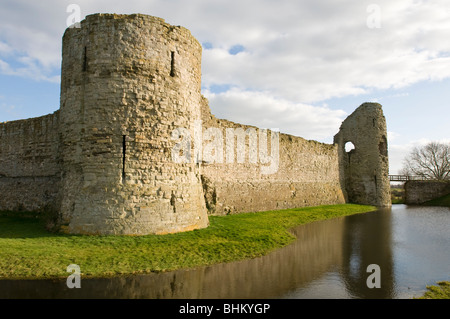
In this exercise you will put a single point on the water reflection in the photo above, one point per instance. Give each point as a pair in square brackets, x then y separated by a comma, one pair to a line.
[328, 260]
[368, 240]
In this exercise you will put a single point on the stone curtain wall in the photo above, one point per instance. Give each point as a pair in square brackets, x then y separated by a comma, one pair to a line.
[307, 175]
[29, 164]
[418, 192]
[109, 161]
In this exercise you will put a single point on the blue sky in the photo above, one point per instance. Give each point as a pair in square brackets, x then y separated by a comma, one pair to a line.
[299, 66]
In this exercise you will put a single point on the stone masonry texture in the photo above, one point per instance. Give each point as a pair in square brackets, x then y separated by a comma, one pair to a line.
[104, 162]
[419, 192]
[365, 169]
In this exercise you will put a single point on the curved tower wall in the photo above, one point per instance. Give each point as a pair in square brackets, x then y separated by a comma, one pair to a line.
[128, 81]
[365, 169]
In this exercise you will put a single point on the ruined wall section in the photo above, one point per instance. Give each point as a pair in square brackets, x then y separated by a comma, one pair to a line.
[30, 169]
[307, 175]
[365, 169]
[128, 81]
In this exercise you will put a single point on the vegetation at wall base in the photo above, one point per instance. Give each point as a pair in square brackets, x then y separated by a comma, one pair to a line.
[28, 251]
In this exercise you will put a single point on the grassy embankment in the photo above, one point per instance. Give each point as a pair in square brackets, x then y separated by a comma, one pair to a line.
[441, 201]
[440, 291]
[27, 250]
[397, 194]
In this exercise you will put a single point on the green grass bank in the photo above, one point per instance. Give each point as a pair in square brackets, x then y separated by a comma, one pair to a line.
[27, 250]
[439, 291]
[441, 201]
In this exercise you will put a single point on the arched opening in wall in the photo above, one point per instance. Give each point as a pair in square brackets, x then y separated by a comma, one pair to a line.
[349, 146]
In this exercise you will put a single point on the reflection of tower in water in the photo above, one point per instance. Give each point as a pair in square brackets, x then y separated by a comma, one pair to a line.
[367, 240]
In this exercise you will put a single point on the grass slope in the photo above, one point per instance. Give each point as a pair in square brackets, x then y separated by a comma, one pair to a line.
[28, 251]
[441, 201]
[440, 291]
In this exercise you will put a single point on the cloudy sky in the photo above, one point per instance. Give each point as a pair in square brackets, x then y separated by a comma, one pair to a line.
[299, 66]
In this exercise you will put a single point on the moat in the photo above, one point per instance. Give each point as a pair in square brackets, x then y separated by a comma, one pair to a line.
[329, 260]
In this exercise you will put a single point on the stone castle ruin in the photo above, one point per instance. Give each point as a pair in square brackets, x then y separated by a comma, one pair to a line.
[104, 162]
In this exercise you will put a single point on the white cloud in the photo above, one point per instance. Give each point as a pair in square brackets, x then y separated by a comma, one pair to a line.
[302, 51]
[29, 70]
[392, 136]
[263, 110]
[331, 52]
[297, 53]
[30, 39]
[11, 110]
[5, 49]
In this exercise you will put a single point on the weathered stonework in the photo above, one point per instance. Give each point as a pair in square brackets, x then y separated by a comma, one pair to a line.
[419, 192]
[104, 162]
[307, 175]
[127, 83]
[30, 170]
[365, 169]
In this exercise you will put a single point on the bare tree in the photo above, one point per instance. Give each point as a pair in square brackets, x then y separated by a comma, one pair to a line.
[431, 161]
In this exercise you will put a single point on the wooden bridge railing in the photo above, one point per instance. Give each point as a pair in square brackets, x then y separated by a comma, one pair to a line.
[404, 178]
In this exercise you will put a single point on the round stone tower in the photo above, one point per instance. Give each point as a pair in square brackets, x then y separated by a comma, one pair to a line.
[364, 170]
[129, 81]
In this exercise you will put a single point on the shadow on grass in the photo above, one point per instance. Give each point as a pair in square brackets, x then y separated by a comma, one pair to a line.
[23, 225]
